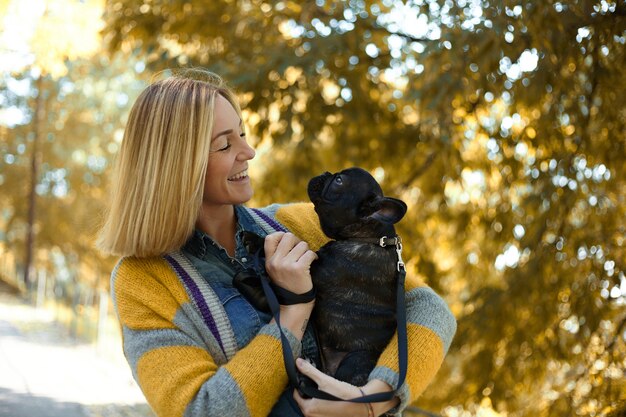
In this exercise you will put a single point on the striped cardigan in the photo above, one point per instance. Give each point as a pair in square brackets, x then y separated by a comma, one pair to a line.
[182, 351]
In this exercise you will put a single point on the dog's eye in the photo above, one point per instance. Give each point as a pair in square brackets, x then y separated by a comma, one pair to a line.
[338, 180]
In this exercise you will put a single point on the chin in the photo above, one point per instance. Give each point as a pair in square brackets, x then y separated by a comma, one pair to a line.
[245, 197]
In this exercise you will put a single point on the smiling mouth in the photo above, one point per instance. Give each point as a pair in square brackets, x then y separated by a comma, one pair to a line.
[240, 176]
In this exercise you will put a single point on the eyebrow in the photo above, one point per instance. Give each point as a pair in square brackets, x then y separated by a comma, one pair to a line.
[227, 131]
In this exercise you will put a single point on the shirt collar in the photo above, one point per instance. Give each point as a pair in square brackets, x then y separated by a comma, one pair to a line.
[199, 243]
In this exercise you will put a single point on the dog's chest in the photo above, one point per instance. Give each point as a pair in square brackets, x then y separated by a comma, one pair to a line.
[363, 272]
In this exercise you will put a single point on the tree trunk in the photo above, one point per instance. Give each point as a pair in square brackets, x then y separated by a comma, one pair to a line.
[29, 276]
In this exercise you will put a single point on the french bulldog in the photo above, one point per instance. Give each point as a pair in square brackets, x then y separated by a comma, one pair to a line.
[354, 277]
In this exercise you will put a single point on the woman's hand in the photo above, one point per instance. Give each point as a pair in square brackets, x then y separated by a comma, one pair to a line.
[315, 407]
[288, 262]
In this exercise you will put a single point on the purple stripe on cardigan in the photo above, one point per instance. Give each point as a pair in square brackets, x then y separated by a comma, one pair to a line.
[197, 297]
[269, 220]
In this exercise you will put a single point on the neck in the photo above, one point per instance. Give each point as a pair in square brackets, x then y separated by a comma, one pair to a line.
[220, 224]
[383, 241]
[357, 231]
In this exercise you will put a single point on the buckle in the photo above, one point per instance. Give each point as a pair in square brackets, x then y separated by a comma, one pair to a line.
[400, 264]
[388, 241]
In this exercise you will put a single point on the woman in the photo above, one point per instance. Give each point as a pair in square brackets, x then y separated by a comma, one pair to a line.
[195, 345]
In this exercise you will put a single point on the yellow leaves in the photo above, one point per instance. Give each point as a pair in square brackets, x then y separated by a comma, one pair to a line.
[409, 116]
[326, 137]
[53, 31]
[571, 67]
[285, 28]
[458, 114]
[299, 106]
[4, 6]
[484, 409]
[292, 74]
[330, 91]
[251, 118]
[79, 156]
[183, 49]
[470, 189]
[569, 130]
[474, 150]
[536, 113]
[498, 108]
[274, 113]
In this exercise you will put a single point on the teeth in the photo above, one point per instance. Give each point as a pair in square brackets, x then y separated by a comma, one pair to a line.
[239, 176]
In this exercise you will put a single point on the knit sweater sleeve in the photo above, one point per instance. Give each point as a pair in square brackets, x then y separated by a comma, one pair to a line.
[430, 324]
[178, 365]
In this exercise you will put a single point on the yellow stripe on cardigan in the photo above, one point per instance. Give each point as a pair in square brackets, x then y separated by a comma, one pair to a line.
[301, 219]
[170, 377]
[148, 293]
[426, 348]
[263, 380]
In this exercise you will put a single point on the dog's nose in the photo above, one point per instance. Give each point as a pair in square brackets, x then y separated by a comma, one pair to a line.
[316, 185]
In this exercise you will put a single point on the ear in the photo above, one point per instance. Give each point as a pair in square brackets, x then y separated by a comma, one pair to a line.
[388, 210]
[253, 242]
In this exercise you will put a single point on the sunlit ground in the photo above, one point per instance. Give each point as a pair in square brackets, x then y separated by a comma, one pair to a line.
[44, 368]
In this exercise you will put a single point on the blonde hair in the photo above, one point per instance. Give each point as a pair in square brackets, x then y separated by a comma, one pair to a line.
[160, 170]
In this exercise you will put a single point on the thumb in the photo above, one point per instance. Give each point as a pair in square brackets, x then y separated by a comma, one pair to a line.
[311, 371]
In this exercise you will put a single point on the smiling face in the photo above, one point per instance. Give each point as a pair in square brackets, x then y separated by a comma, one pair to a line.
[227, 180]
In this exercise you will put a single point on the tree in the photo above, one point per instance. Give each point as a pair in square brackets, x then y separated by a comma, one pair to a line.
[83, 118]
[501, 126]
[53, 39]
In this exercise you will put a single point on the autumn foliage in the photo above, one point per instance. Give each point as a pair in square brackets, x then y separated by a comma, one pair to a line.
[501, 124]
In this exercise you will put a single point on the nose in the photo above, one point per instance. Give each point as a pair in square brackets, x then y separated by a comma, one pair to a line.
[246, 153]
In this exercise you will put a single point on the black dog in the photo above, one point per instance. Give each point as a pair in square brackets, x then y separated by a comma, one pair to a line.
[354, 277]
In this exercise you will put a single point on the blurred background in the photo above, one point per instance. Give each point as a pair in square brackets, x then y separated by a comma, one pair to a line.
[500, 123]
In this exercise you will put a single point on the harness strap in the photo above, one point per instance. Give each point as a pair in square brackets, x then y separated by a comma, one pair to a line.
[382, 242]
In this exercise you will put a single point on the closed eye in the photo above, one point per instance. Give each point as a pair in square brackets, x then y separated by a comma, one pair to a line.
[224, 148]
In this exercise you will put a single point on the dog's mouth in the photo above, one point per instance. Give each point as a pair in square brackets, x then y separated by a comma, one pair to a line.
[318, 185]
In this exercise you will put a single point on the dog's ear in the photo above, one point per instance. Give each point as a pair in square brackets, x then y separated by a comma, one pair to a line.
[387, 210]
[253, 243]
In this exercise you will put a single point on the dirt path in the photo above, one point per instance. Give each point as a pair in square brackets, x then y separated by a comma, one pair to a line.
[45, 373]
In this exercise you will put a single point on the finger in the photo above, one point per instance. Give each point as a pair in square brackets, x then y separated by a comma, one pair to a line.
[311, 371]
[307, 258]
[286, 244]
[302, 403]
[297, 251]
[271, 243]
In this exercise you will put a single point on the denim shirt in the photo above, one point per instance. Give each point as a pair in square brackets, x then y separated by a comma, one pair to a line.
[218, 268]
